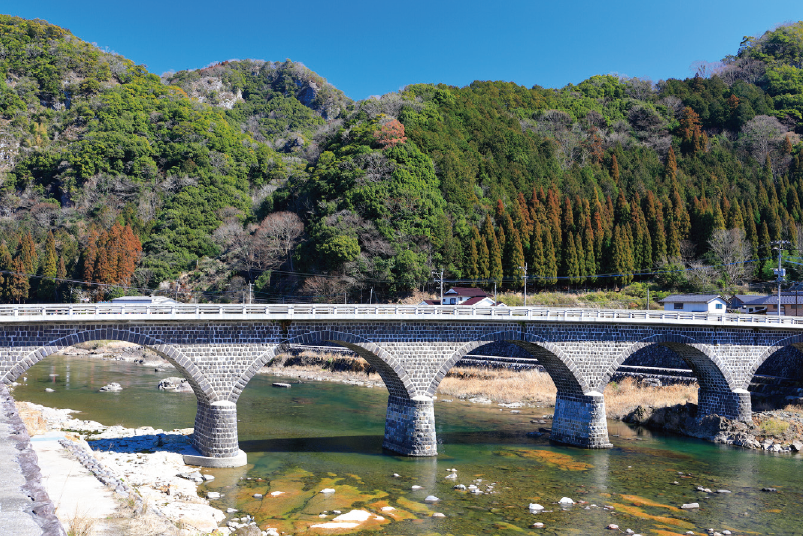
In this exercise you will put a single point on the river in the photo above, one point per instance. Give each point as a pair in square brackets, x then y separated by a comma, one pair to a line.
[329, 435]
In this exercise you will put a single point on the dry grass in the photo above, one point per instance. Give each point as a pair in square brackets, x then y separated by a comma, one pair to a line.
[794, 408]
[623, 397]
[81, 524]
[499, 385]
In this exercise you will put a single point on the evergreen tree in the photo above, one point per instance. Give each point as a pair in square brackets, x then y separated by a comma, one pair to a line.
[550, 259]
[536, 258]
[495, 260]
[614, 169]
[517, 260]
[571, 266]
[19, 285]
[472, 262]
[7, 266]
[590, 258]
[671, 168]
[47, 286]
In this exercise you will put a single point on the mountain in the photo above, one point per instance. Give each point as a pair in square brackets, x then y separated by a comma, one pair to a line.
[262, 172]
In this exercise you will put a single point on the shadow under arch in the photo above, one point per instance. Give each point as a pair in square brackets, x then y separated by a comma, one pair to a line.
[707, 367]
[795, 340]
[203, 390]
[552, 358]
[394, 376]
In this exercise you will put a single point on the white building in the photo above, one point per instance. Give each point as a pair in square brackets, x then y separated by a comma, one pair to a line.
[464, 296]
[695, 303]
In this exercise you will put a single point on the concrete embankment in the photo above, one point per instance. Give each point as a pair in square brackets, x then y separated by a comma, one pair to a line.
[25, 508]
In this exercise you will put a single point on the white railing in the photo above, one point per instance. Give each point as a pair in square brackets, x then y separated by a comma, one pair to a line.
[200, 311]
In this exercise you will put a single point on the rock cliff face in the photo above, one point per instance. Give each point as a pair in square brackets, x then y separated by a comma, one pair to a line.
[9, 149]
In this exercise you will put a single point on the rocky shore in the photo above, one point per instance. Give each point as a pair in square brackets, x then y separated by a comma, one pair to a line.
[773, 431]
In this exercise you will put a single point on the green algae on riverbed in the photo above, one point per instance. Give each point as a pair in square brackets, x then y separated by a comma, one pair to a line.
[318, 435]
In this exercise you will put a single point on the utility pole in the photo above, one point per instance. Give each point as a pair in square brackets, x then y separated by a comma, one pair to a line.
[779, 272]
[648, 299]
[439, 277]
[525, 282]
[370, 296]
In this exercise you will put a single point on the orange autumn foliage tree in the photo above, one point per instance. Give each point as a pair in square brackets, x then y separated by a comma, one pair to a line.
[111, 256]
[390, 134]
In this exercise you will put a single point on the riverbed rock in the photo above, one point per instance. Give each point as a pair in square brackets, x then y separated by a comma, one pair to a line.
[212, 495]
[566, 501]
[431, 499]
[796, 446]
[250, 530]
[538, 525]
[535, 508]
[327, 490]
[49, 390]
[690, 506]
[174, 384]
[282, 385]
[111, 388]
[612, 526]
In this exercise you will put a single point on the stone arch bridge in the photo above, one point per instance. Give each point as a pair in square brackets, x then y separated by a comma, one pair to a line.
[219, 348]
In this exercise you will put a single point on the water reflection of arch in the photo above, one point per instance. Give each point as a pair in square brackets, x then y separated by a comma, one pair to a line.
[560, 368]
[202, 388]
[389, 368]
[711, 373]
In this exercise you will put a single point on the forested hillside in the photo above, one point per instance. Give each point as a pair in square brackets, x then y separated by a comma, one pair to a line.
[200, 182]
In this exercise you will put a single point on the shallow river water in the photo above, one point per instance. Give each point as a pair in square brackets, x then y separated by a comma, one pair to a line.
[329, 435]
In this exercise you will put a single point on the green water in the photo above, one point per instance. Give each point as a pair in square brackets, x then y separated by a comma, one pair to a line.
[318, 435]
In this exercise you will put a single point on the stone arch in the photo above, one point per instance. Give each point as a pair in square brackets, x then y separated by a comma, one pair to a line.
[393, 374]
[794, 340]
[706, 365]
[559, 367]
[200, 385]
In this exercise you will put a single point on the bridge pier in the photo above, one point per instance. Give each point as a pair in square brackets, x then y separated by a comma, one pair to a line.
[734, 405]
[580, 420]
[410, 426]
[215, 436]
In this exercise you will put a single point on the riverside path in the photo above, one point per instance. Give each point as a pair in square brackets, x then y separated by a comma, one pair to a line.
[219, 348]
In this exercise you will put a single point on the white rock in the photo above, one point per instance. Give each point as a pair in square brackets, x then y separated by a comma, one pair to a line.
[565, 500]
[354, 515]
[231, 510]
[438, 514]
[327, 490]
[276, 493]
[387, 508]
[49, 390]
[538, 525]
[212, 495]
[257, 495]
[208, 477]
[535, 507]
[689, 506]
[414, 488]
[451, 476]
[431, 499]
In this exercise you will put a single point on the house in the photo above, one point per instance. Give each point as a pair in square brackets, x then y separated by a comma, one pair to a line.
[464, 296]
[695, 303]
[749, 303]
[791, 304]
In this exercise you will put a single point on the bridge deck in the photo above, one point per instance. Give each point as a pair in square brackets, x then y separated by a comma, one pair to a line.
[11, 314]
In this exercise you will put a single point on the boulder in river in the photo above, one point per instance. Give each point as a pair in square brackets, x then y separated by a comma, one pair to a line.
[175, 384]
[281, 384]
[111, 388]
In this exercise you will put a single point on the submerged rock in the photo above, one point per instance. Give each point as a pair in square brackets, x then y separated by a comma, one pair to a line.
[111, 388]
[174, 384]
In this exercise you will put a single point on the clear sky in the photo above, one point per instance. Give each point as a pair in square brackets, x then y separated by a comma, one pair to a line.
[371, 48]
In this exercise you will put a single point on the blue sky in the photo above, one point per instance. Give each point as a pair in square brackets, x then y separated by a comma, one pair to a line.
[371, 48]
